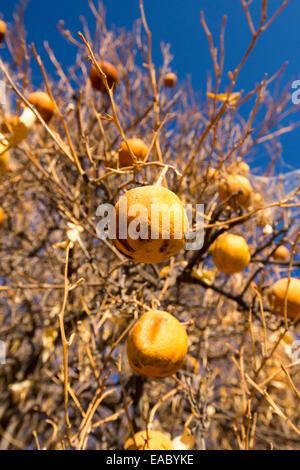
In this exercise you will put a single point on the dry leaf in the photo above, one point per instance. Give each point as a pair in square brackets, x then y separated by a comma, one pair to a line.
[232, 97]
[19, 390]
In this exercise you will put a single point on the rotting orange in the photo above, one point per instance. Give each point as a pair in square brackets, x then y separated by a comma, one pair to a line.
[233, 184]
[154, 222]
[157, 345]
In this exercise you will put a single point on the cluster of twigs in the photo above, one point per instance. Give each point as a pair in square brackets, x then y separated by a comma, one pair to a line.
[68, 299]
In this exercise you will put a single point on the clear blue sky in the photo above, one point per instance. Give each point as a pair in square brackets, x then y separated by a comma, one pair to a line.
[178, 23]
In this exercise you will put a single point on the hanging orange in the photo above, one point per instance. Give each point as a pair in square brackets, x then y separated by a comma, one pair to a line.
[111, 74]
[170, 80]
[277, 293]
[157, 345]
[230, 253]
[43, 104]
[139, 149]
[232, 184]
[161, 219]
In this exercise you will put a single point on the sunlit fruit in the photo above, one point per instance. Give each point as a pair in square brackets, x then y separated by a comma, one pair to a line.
[111, 74]
[281, 253]
[150, 224]
[234, 184]
[43, 104]
[170, 80]
[277, 295]
[230, 253]
[2, 216]
[257, 200]
[2, 30]
[151, 440]
[243, 167]
[21, 127]
[157, 345]
[137, 146]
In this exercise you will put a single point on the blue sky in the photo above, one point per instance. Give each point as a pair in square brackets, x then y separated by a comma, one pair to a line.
[178, 23]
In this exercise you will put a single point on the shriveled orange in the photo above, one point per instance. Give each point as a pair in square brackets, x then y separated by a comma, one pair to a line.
[170, 80]
[139, 149]
[277, 293]
[151, 440]
[43, 104]
[110, 71]
[3, 30]
[281, 253]
[230, 253]
[232, 184]
[157, 345]
[158, 217]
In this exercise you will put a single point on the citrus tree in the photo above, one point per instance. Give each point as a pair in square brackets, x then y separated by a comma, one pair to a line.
[148, 343]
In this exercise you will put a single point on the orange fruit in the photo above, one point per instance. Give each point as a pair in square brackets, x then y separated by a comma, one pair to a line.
[154, 222]
[230, 253]
[243, 167]
[276, 296]
[2, 30]
[157, 345]
[2, 216]
[232, 184]
[9, 124]
[110, 72]
[170, 80]
[153, 440]
[281, 253]
[43, 104]
[257, 200]
[137, 146]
